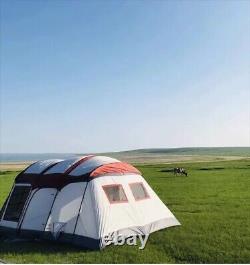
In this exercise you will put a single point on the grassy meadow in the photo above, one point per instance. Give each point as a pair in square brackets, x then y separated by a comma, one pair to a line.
[212, 204]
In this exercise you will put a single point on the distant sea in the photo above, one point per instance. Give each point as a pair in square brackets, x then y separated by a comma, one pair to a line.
[18, 157]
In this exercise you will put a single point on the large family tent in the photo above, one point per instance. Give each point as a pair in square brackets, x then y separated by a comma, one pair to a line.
[82, 201]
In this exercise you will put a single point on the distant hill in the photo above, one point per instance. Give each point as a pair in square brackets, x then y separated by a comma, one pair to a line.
[209, 151]
[188, 154]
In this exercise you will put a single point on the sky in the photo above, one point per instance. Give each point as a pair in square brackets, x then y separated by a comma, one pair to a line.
[97, 76]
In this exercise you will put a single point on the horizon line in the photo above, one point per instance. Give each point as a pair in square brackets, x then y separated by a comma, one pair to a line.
[127, 150]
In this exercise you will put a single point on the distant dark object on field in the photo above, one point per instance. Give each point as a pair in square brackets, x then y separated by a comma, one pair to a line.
[176, 171]
[180, 170]
[212, 168]
[167, 170]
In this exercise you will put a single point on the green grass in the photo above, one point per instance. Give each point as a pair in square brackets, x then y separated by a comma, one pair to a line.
[212, 204]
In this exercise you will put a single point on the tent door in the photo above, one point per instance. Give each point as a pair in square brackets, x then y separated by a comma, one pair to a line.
[15, 205]
[38, 210]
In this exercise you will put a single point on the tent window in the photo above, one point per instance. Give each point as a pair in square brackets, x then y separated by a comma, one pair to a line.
[139, 191]
[115, 193]
[16, 203]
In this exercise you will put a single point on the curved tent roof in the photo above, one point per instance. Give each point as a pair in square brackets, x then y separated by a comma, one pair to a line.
[58, 173]
[40, 166]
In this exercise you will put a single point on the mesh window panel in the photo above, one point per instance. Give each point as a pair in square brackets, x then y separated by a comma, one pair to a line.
[138, 191]
[16, 203]
[115, 193]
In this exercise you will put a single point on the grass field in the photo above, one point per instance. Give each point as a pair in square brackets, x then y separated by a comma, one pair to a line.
[212, 204]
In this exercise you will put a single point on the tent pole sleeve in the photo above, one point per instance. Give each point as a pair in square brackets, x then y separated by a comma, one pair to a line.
[79, 211]
[51, 208]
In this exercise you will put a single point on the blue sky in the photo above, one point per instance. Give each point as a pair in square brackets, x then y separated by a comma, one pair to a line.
[93, 76]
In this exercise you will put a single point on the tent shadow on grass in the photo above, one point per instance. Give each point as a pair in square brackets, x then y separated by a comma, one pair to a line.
[38, 246]
[171, 176]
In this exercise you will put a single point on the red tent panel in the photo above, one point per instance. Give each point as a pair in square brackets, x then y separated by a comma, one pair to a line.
[117, 167]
